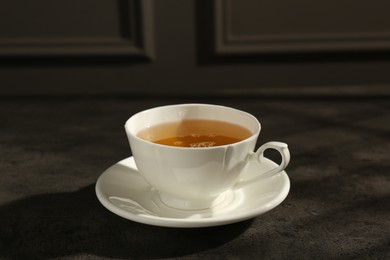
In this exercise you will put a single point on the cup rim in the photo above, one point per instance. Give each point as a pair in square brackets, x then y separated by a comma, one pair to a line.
[248, 139]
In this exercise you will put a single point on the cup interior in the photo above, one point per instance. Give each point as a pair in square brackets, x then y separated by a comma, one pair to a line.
[174, 113]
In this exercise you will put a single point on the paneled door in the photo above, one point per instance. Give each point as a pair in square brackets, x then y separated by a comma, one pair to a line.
[212, 47]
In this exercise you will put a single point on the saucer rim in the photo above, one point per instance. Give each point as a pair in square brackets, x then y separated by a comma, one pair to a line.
[191, 223]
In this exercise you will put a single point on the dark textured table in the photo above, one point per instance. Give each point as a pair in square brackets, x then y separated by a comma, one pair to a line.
[54, 149]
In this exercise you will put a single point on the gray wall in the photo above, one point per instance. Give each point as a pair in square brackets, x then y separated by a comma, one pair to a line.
[194, 47]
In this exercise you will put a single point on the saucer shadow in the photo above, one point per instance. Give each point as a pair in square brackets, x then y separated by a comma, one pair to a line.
[66, 224]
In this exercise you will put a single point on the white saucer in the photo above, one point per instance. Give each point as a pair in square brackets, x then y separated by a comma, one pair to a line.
[123, 191]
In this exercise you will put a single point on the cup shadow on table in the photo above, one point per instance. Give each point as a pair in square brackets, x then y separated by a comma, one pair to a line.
[65, 224]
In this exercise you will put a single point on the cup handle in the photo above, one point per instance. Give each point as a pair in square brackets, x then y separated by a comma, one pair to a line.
[282, 148]
[258, 156]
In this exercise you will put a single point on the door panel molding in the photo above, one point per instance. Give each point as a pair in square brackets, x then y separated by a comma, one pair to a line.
[136, 38]
[227, 42]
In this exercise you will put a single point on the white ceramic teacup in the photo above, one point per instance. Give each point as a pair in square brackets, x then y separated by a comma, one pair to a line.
[196, 178]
